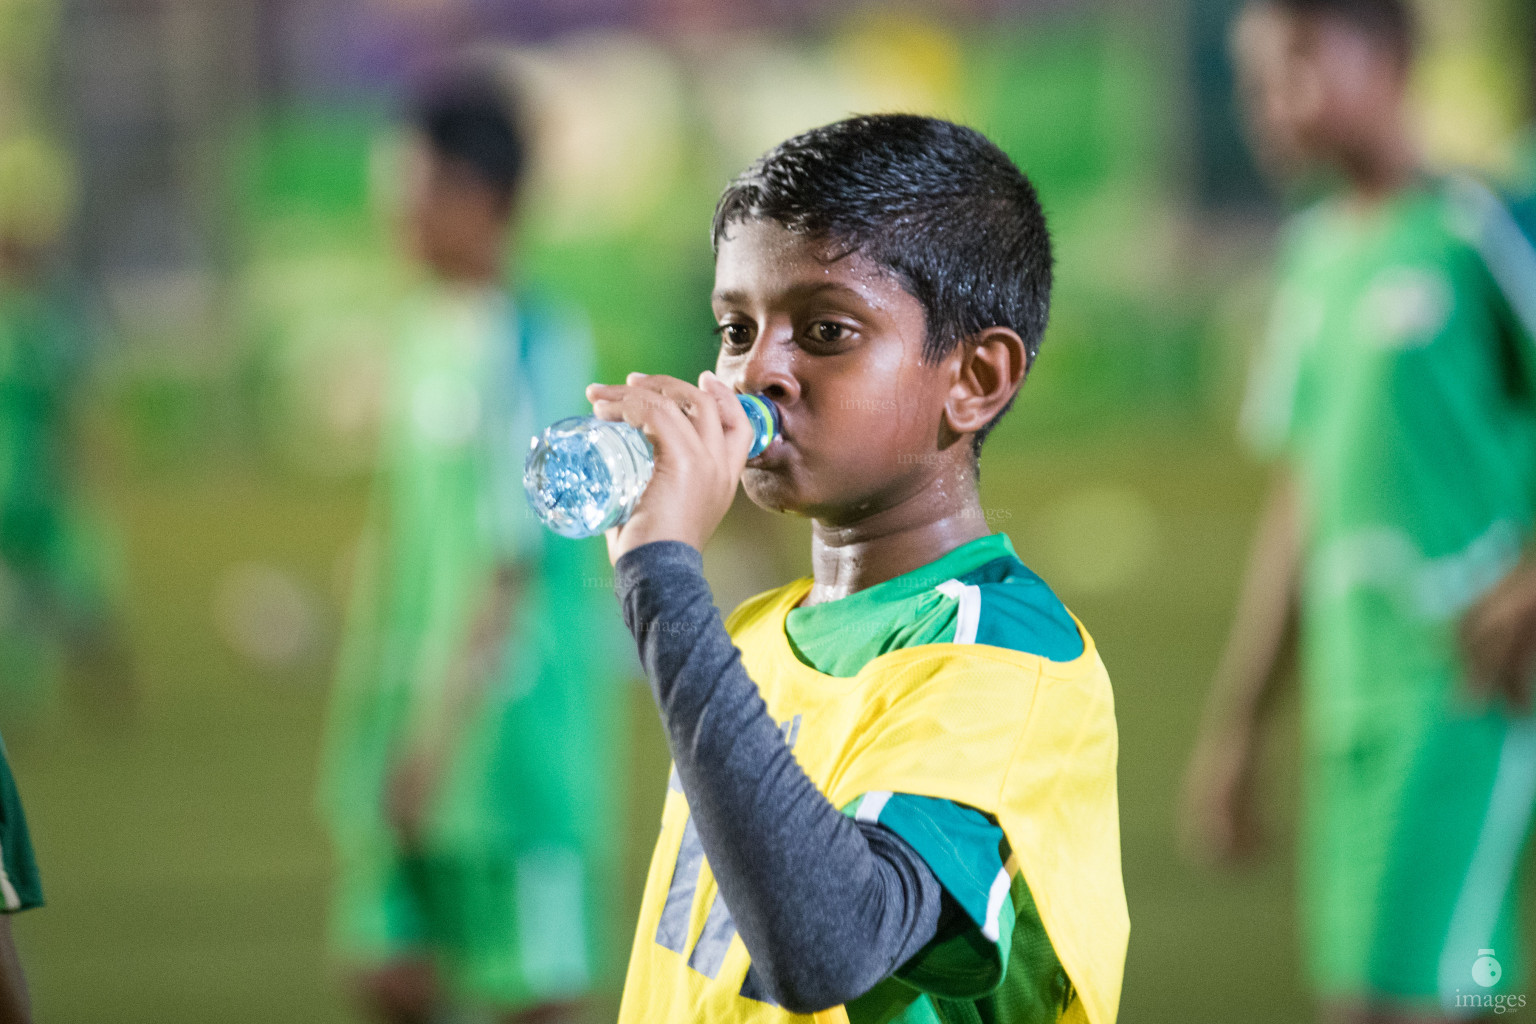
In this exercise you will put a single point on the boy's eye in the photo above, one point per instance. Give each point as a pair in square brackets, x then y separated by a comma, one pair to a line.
[734, 335]
[827, 332]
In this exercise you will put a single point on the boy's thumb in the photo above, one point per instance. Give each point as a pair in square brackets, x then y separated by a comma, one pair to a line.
[718, 388]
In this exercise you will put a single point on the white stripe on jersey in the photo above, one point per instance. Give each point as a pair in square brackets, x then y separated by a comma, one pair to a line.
[1494, 859]
[968, 615]
[1505, 249]
[7, 890]
[995, 897]
[871, 806]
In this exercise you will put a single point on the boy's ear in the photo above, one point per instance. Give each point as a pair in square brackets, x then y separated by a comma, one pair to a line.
[991, 365]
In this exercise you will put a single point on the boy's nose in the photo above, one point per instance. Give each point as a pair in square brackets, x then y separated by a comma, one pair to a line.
[766, 369]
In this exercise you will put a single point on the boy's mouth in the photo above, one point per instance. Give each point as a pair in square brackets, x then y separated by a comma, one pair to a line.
[771, 456]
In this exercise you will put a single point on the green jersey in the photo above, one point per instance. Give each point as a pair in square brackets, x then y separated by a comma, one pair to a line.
[20, 886]
[999, 954]
[471, 381]
[508, 875]
[48, 548]
[1397, 381]
[31, 411]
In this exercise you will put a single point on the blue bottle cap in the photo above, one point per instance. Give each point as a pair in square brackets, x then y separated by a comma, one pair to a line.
[765, 419]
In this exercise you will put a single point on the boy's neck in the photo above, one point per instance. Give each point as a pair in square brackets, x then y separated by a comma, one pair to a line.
[489, 275]
[941, 517]
[1379, 170]
[481, 263]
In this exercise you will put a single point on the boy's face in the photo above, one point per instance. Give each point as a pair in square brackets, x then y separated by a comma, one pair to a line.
[837, 345]
[455, 223]
[1315, 89]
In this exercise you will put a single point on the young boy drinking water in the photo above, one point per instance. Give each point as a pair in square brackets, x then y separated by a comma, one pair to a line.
[893, 795]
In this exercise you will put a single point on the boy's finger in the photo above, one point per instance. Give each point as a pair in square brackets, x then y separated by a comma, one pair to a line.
[632, 380]
[711, 410]
[700, 408]
[606, 392]
[679, 435]
[719, 390]
[729, 414]
[670, 429]
[614, 407]
[724, 399]
[738, 429]
[655, 390]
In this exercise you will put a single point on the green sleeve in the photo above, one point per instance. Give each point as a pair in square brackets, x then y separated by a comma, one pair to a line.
[1504, 238]
[997, 943]
[1275, 407]
[1271, 406]
[20, 886]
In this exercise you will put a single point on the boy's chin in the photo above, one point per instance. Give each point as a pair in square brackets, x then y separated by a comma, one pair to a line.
[778, 491]
[771, 490]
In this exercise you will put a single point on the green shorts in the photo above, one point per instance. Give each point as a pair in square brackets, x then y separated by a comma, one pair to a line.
[1413, 837]
[502, 932]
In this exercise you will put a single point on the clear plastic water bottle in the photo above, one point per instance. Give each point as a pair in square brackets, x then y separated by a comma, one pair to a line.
[584, 474]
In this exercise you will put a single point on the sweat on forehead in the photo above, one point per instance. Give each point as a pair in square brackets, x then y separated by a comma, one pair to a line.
[761, 260]
[788, 245]
[936, 204]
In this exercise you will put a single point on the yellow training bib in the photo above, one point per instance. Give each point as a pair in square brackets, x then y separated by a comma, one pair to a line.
[1029, 741]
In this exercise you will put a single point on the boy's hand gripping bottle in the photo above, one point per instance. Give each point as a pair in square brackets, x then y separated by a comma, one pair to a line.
[584, 474]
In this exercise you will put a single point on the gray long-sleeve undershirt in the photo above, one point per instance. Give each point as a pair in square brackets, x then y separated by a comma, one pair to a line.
[827, 906]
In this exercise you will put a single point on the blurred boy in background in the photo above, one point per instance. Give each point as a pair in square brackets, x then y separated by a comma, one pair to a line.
[1396, 385]
[20, 889]
[55, 608]
[469, 773]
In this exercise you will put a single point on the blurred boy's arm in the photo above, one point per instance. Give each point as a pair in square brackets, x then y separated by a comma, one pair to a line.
[1498, 633]
[1220, 816]
[15, 1008]
[415, 779]
[1498, 639]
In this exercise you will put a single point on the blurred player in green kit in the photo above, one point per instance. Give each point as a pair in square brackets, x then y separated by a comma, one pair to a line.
[1397, 388]
[56, 611]
[469, 774]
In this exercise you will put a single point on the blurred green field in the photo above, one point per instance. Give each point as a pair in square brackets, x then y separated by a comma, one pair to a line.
[186, 872]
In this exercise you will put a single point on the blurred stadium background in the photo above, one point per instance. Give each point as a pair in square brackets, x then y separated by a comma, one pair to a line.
[217, 177]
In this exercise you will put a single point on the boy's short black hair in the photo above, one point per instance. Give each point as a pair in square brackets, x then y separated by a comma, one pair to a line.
[467, 112]
[1391, 22]
[936, 204]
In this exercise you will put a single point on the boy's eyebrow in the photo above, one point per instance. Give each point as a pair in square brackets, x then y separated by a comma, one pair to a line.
[733, 296]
